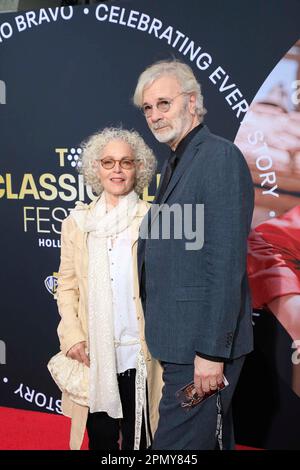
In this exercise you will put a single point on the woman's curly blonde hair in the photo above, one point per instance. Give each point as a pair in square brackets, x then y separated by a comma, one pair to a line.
[92, 150]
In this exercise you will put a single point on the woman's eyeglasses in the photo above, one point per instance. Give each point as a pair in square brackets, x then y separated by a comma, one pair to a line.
[125, 163]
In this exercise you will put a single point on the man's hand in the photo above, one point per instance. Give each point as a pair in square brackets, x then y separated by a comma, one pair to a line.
[78, 352]
[208, 375]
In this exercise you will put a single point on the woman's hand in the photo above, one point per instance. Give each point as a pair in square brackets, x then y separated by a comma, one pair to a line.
[78, 352]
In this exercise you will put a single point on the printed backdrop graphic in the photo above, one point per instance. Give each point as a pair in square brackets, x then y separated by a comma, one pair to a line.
[269, 137]
[67, 72]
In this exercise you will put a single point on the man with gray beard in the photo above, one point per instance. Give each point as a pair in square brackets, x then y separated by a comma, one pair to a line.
[196, 302]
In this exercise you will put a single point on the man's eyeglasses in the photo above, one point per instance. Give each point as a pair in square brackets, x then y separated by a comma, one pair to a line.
[125, 163]
[162, 105]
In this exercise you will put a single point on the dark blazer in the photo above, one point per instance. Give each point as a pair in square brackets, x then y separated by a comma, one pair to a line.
[198, 300]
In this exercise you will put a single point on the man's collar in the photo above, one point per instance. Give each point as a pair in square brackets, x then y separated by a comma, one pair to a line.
[185, 141]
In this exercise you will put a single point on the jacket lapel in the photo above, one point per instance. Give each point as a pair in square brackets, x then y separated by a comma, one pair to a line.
[162, 174]
[85, 234]
[184, 163]
[141, 212]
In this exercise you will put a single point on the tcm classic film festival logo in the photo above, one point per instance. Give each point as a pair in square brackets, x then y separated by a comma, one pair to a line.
[41, 212]
[67, 187]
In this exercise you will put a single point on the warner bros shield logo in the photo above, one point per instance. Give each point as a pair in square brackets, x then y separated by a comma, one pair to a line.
[51, 284]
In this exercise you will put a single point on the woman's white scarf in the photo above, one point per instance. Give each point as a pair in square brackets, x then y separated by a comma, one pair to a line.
[100, 224]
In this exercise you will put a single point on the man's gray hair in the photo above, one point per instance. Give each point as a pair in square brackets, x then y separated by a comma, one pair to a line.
[182, 72]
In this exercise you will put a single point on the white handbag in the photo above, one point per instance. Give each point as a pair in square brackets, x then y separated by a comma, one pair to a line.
[71, 376]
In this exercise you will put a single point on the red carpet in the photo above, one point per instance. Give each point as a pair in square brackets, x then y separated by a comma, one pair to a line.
[31, 430]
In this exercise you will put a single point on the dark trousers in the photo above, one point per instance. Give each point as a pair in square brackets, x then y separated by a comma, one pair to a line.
[195, 429]
[104, 431]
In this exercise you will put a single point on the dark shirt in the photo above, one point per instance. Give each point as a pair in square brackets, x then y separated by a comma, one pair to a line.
[172, 162]
[185, 142]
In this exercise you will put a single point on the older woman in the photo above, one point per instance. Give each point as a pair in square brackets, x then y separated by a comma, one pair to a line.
[102, 321]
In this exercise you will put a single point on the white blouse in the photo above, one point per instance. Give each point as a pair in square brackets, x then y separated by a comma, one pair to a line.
[127, 342]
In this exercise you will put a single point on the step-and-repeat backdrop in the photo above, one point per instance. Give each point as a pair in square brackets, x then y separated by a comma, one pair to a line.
[67, 72]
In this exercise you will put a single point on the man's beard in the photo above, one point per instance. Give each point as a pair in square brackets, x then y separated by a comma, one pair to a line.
[176, 129]
[168, 135]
